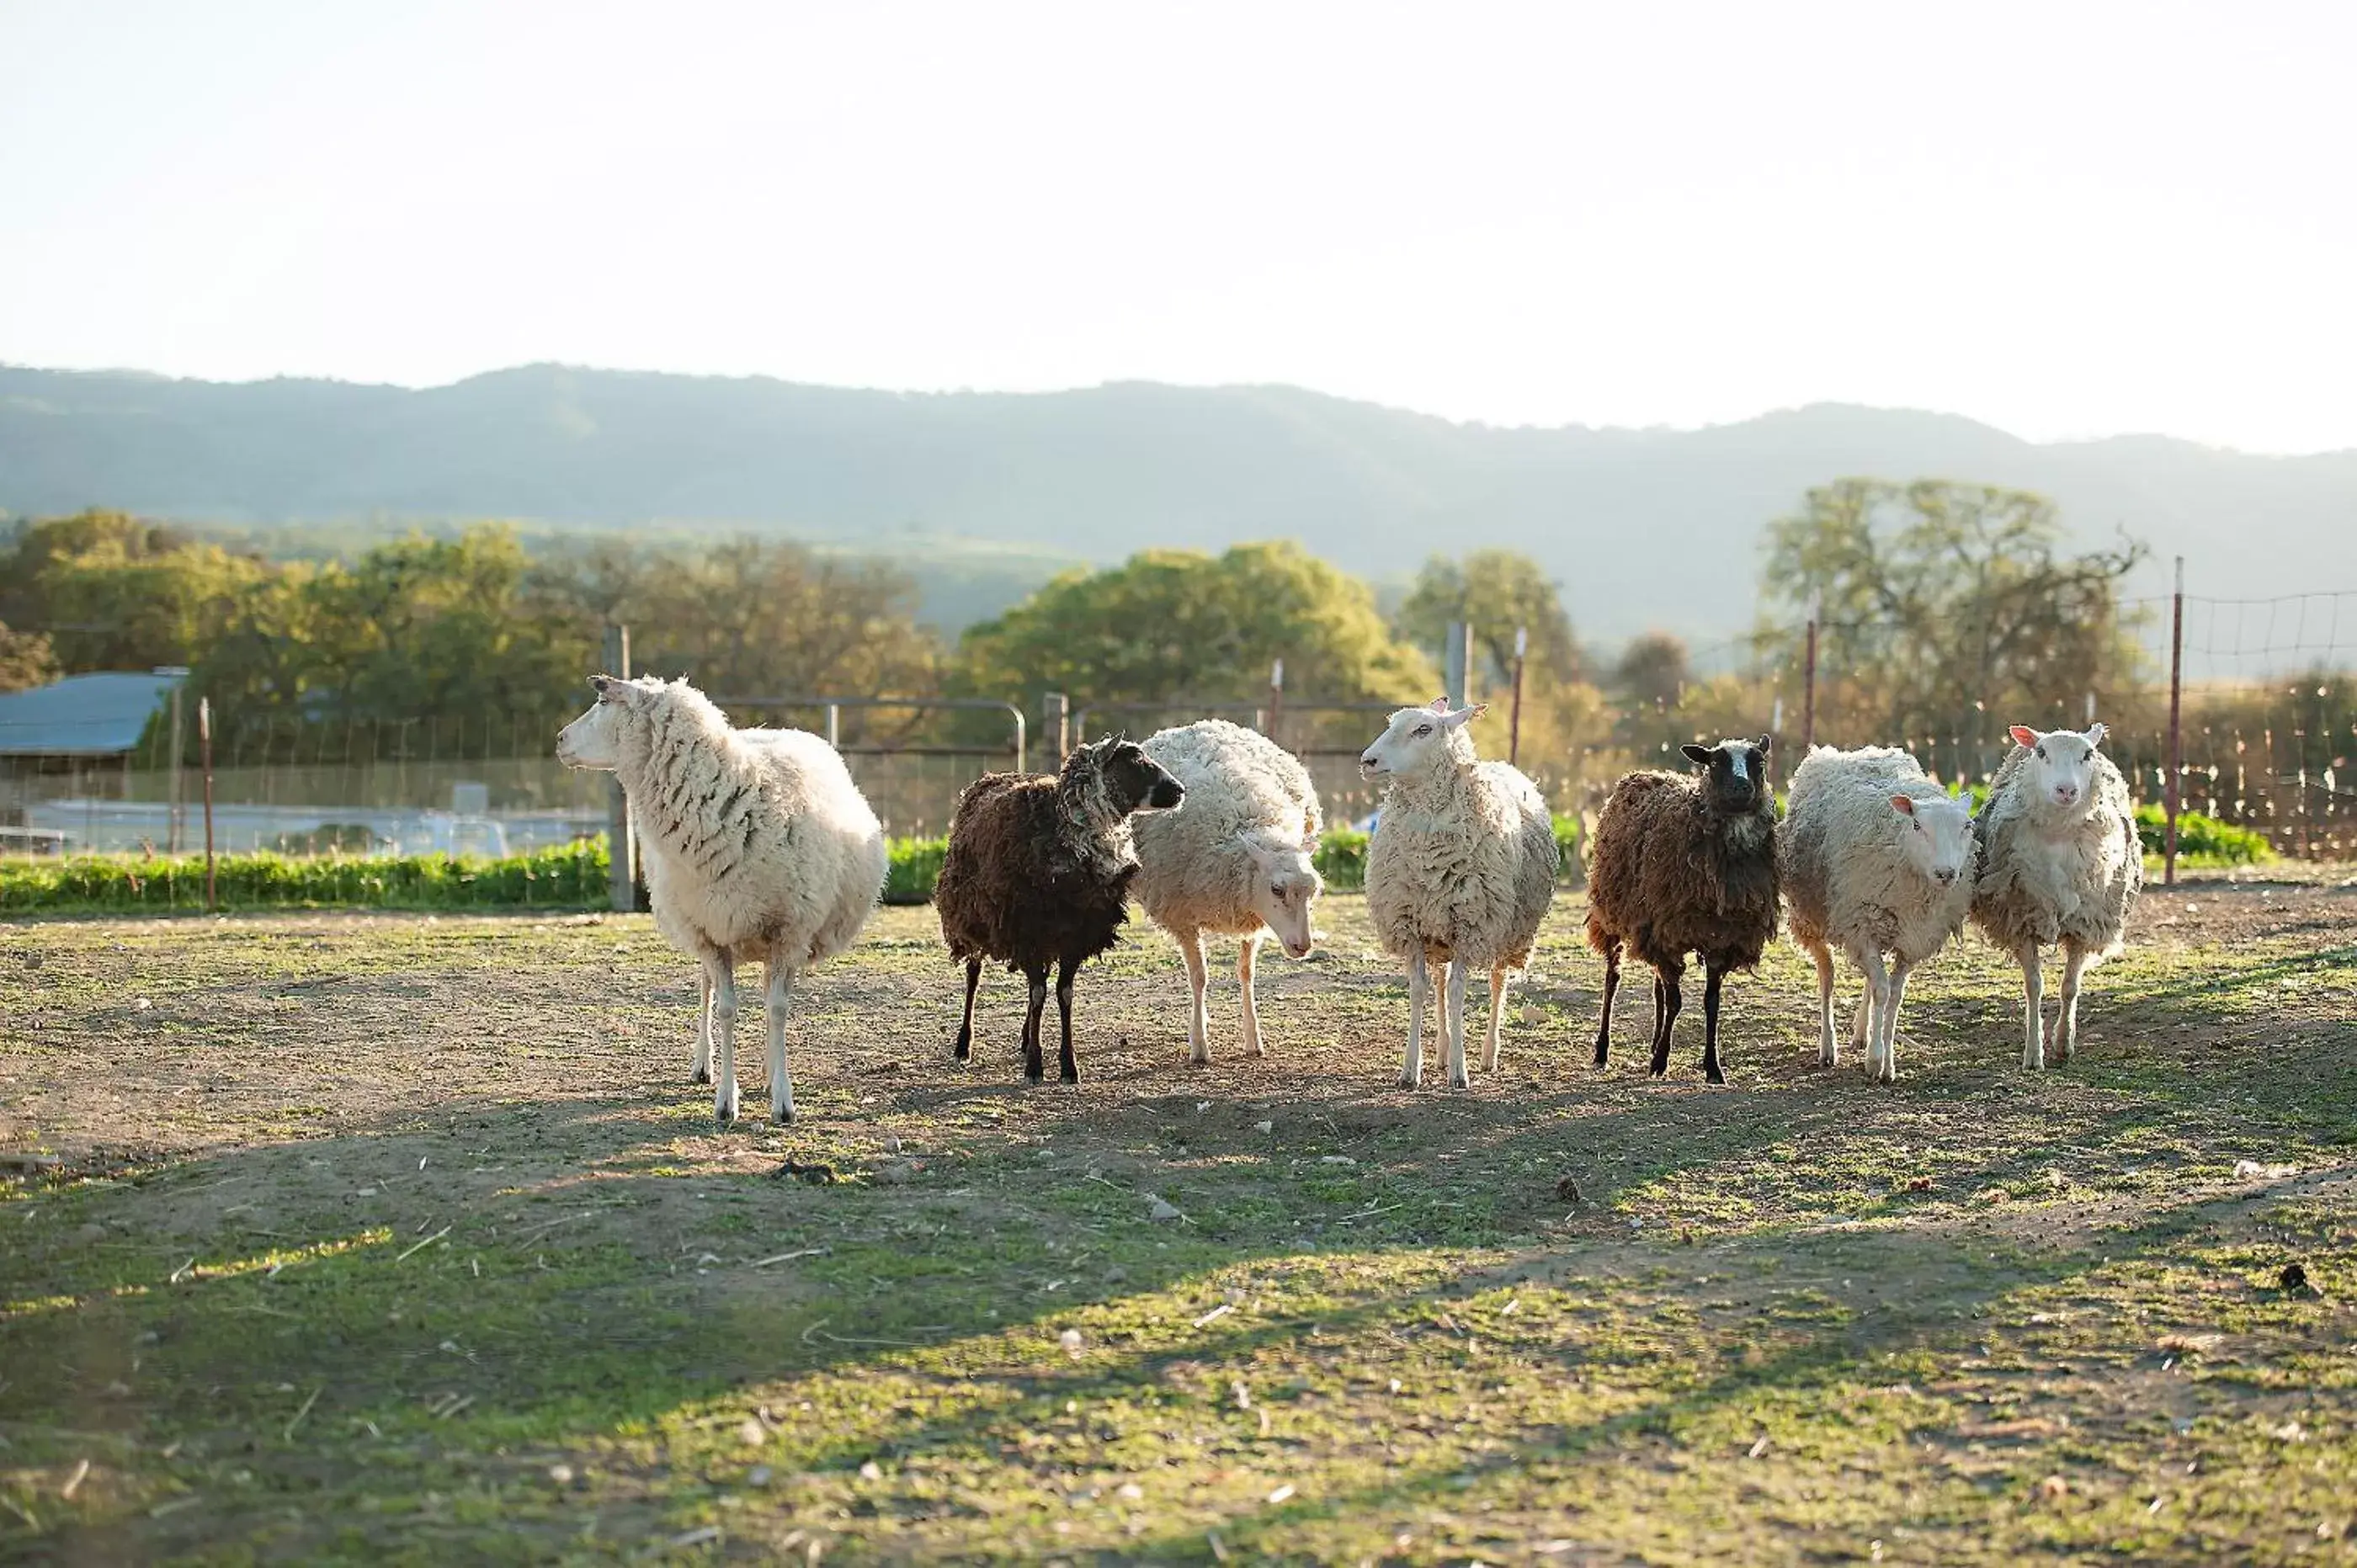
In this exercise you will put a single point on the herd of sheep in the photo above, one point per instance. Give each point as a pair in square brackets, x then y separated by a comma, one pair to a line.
[756, 844]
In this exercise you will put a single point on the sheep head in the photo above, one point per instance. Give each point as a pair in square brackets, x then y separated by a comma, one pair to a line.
[595, 739]
[1421, 740]
[1734, 774]
[2059, 775]
[1284, 886]
[1936, 835]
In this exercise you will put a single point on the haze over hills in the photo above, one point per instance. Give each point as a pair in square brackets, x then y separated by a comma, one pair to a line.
[1653, 527]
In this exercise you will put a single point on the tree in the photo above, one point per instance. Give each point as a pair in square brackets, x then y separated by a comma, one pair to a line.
[112, 592]
[25, 659]
[1496, 592]
[1651, 672]
[1177, 626]
[1950, 608]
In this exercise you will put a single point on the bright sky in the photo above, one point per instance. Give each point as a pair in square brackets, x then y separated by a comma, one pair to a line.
[2066, 220]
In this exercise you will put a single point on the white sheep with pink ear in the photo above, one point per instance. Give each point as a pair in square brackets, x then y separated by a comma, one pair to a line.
[1460, 871]
[757, 845]
[2059, 863]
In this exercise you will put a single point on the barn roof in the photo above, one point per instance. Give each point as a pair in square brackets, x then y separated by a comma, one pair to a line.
[82, 715]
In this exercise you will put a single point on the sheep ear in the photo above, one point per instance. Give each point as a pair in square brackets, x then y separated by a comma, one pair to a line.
[1440, 703]
[1903, 804]
[1465, 716]
[609, 689]
[1766, 742]
[1699, 755]
[2095, 733]
[2023, 737]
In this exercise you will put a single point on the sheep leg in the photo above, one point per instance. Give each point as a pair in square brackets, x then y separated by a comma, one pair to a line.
[1711, 976]
[1611, 985]
[965, 1024]
[1247, 955]
[1828, 1038]
[1452, 1019]
[702, 1071]
[1035, 1067]
[1496, 1017]
[1068, 1068]
[1888, 1046]
[1671, 999]
[1875, 1007]
[781, 1086]
[721, 965]
[2033, 1048]
[1198, 981]
[1418, 982]
[2066, 1008]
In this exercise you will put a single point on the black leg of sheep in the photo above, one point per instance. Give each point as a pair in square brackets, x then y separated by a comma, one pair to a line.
[1667, 1000]
[1710, 1024]
[1611, 988]
[1069, 1067]
[1035, 1067]
[965, 1024]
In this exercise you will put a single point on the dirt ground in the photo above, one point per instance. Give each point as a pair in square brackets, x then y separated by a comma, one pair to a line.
[397, 1238]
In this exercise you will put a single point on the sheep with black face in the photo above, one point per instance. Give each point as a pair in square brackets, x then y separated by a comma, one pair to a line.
[1037, 877]
[1686, 864]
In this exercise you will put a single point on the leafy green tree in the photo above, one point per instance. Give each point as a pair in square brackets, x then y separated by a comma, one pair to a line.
[1949, 609]
[1177, 625]
[112, 592]
[25, 659]
[1496, 592]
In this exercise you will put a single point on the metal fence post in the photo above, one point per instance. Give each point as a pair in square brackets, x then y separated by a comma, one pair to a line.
[1276, 697]
[205, 756]
[176, 836]
[1514, 718]
[621, 861]
[1060, 723]
[1456, 654]
[2175, 735]
[1809, 679]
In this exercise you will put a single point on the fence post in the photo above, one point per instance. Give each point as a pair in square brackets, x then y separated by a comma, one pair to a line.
[835, 726]
[1060, 723]
[176, 836]
[1275, 696]
[2175, 735]
[621, 862]
[205, 758]
[1515, 714]
[1809, 678]
[1456, 654]
[1016, 714]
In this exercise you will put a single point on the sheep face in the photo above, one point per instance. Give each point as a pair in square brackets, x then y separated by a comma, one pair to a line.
[595, 739]
[1284, 886]
[1128, 779]
[2059, 775]
[1735, 773]
[1418, 740]
[1937, 835]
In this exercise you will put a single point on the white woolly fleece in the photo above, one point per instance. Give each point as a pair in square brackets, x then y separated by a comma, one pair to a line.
[1847, 878]
[1196, 866]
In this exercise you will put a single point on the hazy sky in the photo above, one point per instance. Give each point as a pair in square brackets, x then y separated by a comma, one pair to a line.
[2076, 219]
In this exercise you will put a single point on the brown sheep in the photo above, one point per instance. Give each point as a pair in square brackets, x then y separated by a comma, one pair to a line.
[1682, 865]
[1037, 873]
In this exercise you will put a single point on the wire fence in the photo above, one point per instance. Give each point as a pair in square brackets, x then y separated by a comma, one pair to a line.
[2266, 732]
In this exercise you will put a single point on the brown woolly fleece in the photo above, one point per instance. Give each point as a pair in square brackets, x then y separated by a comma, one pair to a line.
[1036, 876]
[1673, 876]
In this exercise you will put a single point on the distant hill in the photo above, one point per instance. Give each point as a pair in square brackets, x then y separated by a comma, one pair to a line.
[1650, 527]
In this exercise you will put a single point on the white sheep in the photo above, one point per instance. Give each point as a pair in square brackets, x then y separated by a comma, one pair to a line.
[1235, 861]
[1876, 859]
[2060, 862]
[1460, 870]
[756, 844]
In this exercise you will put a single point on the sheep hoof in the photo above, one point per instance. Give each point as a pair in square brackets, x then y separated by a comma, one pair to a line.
[1459, 1080]
[701, 1075]
[1411, 1081]
[1715, 1075]
[783, 1118]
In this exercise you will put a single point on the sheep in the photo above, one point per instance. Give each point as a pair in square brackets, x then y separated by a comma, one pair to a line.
[1686, 864]
[2058, 862]
[1037, 873]
[756, 844]
[1237, 860]
[1460, 871]
[1875, 859]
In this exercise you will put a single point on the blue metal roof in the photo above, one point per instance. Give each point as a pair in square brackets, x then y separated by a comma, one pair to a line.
[82, 715]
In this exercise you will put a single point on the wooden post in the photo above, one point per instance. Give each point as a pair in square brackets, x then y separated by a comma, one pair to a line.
[1809, 679]
[1276, 697]
[1455, 655]
[1515, 715]
[621, 860]
[2175, 733]
[1060, 723]
[205, 760]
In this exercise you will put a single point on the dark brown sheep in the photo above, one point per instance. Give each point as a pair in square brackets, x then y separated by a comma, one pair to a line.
[1686, 864]
[1036, 873]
